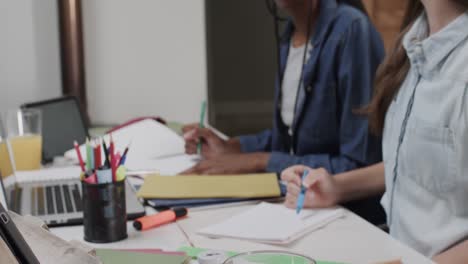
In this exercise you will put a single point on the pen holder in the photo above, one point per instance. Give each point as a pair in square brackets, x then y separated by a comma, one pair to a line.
[104, 212]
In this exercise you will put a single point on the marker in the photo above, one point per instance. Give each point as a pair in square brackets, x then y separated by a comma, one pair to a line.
[202, 120]
[300, 199]
[147, 222]
[80, 158]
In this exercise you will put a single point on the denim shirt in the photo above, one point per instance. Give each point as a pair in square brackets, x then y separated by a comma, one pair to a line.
[425, 143]
[338, 79]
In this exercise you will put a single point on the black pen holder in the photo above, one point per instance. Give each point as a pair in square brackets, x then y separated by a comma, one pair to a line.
[104, 212]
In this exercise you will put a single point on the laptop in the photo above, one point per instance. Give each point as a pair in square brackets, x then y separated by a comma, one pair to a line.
[55, 200]
[62, 123]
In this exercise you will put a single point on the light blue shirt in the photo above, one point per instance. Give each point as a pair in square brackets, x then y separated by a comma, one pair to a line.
[425, 143]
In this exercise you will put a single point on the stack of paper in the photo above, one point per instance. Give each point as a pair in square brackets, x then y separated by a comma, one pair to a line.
[225, 186]
[152, 146]
[272, 224]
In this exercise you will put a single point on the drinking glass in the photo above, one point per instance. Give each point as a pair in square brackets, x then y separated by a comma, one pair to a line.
[269, 257]
[24, 133]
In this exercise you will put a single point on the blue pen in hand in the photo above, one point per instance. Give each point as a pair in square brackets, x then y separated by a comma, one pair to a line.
[300, 199]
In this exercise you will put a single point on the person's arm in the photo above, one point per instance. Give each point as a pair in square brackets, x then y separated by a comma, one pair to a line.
[260, 142]
[455, 255]
[361, 183]
[361, 51]
[325, 190]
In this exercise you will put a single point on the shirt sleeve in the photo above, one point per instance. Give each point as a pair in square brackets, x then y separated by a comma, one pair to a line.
[260, 142]
[361, 51]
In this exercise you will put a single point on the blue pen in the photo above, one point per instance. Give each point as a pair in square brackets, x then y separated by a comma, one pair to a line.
[300, 199]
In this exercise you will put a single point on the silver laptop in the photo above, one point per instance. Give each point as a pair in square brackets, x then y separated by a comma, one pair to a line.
[56, 201]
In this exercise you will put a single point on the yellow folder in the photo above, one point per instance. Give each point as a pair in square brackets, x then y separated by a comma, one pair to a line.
[225, 186]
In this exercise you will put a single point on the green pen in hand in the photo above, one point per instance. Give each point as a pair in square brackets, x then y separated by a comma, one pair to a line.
[201, 125]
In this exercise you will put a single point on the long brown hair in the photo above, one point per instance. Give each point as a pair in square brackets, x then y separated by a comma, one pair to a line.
[393, 71]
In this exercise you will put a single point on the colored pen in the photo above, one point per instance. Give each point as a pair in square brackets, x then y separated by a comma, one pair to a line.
[112, 159]
[202, 120]
[124, 155]
[151, 221]
[80, 158]
[106, 154]
[88, 156]
[300, 199]
[97, 156]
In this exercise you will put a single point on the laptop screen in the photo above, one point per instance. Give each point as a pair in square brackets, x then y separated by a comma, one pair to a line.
[62, 123]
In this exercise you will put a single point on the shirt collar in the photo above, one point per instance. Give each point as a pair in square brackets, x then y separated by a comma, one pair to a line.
[327, 14]
[426, 53]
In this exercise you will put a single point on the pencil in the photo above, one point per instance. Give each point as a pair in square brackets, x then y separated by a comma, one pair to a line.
[80, 158]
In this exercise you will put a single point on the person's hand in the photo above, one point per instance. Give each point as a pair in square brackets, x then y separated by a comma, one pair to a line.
[322, 190]
[212, 144]
[231, 164]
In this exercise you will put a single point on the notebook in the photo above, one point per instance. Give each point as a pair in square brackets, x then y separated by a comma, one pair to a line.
[225, 186]
[272, 224]
[109, 256]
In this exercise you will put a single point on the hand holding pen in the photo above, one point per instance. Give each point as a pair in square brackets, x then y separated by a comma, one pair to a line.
[319, 188]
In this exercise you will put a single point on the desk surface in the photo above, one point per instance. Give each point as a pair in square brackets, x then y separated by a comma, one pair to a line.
[349, 240]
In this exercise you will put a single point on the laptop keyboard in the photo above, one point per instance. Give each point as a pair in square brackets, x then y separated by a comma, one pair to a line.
[56, 199]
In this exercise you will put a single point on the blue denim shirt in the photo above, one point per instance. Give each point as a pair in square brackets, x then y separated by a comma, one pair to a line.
[338, 78]
[425, 141]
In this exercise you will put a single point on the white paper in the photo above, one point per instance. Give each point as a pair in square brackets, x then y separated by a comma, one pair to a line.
[148, 140]
[165, 166]
[272, 223]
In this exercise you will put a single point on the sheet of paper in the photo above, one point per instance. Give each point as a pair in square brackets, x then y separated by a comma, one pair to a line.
[272, 223]
[148, 140]
[165, 166]
[213, 186]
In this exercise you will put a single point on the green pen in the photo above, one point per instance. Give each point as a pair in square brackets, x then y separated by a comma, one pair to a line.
[202, 119]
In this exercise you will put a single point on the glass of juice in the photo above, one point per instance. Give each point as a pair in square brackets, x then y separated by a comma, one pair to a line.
[24, 129]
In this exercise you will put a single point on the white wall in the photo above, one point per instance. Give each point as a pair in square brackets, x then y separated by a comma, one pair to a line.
[144, 57]
[29, 52]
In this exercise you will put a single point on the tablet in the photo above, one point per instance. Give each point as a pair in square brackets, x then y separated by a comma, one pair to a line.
[14, 240]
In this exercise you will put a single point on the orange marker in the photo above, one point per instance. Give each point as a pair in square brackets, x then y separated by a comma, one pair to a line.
[147, 222]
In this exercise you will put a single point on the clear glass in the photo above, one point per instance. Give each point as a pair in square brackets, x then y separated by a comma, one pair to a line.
[269, 257]
[23, 130]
